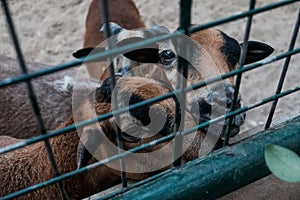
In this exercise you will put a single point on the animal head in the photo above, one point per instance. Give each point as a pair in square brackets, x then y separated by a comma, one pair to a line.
[137, 126]
[211, 53]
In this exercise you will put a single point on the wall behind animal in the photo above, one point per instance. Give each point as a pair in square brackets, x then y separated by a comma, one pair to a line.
[50, 31]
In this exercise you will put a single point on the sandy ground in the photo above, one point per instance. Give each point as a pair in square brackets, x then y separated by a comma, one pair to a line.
[50, 30]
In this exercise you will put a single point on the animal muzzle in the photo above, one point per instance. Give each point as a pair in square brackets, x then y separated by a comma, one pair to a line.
[216, 102]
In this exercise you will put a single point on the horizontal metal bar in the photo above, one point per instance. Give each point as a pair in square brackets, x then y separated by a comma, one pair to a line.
[88, 168]
[222, 171]
[241, 15]
[149, 101]
[125, 48]
[134, 185]
[150, 144]
[67, 65]
[243, 109]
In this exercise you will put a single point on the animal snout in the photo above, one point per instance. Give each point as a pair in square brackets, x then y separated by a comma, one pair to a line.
[216, 102]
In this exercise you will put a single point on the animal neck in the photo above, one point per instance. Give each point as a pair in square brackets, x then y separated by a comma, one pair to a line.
[87, 183]
[31, 165]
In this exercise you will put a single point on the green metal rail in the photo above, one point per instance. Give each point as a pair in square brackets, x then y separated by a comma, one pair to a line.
[222, 171]
[207, 173]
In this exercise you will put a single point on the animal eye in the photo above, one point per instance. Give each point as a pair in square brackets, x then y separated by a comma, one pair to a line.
[167, 57]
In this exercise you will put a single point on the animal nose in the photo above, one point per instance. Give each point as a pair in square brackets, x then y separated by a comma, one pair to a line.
[238, 120]
[218, 101]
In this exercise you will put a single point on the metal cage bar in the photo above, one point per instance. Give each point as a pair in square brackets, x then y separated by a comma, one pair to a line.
[228, 169]
[284, 71]
[181, 90]
[147, 145]
[239, 76]
[149, 101]
[31, 95]
[181, 81]
[120, 145]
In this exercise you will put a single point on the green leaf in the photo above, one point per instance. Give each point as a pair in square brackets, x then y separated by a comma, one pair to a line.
[283, 163]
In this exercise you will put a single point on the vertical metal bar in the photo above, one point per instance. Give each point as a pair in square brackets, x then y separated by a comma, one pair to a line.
[283, 73]
[32, 96]
[107, 33]
[239, 76]
[181, 81]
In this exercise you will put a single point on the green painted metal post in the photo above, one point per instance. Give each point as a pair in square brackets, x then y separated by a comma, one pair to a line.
[222, 171]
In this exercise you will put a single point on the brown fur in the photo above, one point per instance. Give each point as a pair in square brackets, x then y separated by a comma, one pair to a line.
[212, 41]
[207, 58]
[30, 165]
[123, 12]
[16, 115]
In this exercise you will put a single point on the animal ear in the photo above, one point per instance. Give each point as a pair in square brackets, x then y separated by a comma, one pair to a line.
[90, 141]
[83, 53]
[147, 55]
[257, 51]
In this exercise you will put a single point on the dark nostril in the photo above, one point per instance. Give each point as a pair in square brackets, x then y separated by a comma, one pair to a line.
[239, 103]
[204, 107]
[200, 110]
[229, 91]
[239, 119]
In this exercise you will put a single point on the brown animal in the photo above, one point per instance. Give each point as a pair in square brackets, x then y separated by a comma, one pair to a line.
[212, 53]
[30, 165]
[53, 93]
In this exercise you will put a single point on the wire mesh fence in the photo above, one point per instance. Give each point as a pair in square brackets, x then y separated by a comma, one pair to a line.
[180, 91]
